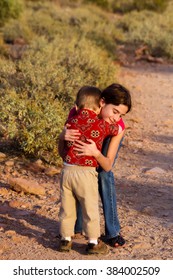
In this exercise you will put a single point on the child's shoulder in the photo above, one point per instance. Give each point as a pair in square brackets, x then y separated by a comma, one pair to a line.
[121, 124]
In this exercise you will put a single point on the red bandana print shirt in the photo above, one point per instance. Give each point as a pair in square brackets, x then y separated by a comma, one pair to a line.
[90, 127]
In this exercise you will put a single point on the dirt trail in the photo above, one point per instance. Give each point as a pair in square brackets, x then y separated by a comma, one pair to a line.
[144, 180]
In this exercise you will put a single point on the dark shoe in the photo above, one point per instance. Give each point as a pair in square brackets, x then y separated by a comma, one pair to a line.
[100, 248]
[116, 241]
[65, 246]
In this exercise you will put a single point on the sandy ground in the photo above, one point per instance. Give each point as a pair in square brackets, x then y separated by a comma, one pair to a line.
[144, 181]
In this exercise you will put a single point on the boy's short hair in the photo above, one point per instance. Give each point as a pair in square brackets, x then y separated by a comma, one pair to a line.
[117, 94]
[88, 97]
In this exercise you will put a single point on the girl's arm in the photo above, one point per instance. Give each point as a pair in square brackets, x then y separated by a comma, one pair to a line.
[106, 162]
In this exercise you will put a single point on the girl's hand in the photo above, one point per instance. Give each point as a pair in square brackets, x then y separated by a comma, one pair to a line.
[70, 134]
[84, 149]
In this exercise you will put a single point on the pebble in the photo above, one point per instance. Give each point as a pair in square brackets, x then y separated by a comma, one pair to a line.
[154, 170]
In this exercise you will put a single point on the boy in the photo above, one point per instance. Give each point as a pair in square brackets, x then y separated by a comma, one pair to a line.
[79, 177]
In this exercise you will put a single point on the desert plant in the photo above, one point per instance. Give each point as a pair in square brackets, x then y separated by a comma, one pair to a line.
[102, 3]
[146, 28]
[125, 6]
[38, 90]
[10, 9]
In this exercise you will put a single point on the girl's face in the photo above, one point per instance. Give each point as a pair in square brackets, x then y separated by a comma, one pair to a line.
[112, 113]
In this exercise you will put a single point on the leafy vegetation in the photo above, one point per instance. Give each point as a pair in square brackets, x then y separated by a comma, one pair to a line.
[10, 9]
[151, 29]
[125, 6]
[48, 58]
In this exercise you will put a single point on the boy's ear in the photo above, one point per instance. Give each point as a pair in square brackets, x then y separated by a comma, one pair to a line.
[97, 111]
[102, 102]
[76, 107]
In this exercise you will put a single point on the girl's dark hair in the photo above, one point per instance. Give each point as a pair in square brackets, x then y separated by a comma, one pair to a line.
[117, 94]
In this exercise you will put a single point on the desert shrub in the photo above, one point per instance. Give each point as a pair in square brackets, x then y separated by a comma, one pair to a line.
[62, 66]
[79, 21]
[122, 6]
[38, 90]
[98, 28]
[125, 6]
[102, 3]
[145, 28]
[34, 124]
[10, 9]
[15, 29]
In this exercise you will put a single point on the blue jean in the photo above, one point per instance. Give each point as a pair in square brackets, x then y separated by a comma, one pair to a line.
[106, 182]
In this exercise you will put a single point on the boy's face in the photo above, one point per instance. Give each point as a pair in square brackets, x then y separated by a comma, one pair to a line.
[112, 113]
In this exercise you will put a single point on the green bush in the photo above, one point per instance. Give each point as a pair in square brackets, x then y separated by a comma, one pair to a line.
[10, 9]
[38, 90]
[34, 124]
[125, 6]
[145, 28]
[15, 29]
[102, 3]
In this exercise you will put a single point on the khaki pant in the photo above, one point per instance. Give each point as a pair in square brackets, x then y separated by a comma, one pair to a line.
[79, 183]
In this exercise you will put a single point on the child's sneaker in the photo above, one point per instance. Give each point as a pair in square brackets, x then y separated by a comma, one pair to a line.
[116, 241]
[65, 246]
[100, 248]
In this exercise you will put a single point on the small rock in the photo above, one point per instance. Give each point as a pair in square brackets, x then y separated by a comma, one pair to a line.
[39, 163]
[136, 144]
[9, 163]
[10, 232]
[4, 191]
[2, 155]
[142, 245]
[155, 170]
[27, 186]
[14, 204]
[25, 205]
[131, 177]
[51, 171]
[16, 239]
